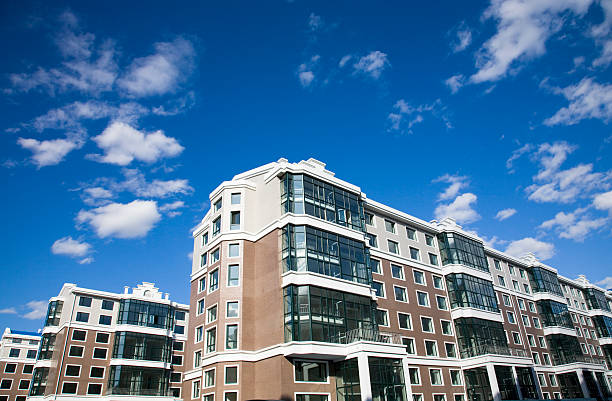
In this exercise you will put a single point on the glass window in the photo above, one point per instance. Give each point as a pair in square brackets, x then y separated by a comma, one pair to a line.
[554, 314]
[76, 351]
[404, 321]
[234, 250]
[216, 226]
[415, 377]
[433, 259]
[197, 359]
[393, 247]
[212, 314]
[382, 317]
[211, 340]
[441, 301]
[390, 226]
[369, 219]
[102, 338]
[209, 378]
[479, 337]
[100, 353]
[436, 377]
[105, 320]
[397, 272]
[415, 254]
[379, 288]
[202, 284]
[85, 301]
[82, 317]
[409, 343]
[423, 298]
[467, 291]
[143, 313]
[310, 371]
[427, 324]
[233, 275]
[400, 294]
[375, 264]
[236, 199]
[107, 305]
[235, 221]
[195, 389]
[205, 238]
[438, 282]
[69, 388]
[543, 280]
[447, 327]
[431, 348]
[79, 335]
[232, 309]
[231, 336]
[218, 204]
[419, 277]
[372, 240]
[411, 233]
[511, 318]
[429, 240]
[73, 370]
[213, 280]
[231, 375]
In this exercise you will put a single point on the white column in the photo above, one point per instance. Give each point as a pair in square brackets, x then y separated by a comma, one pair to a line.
[516, 383]
[583, 386]
[364, 377]
[407, 379]
[493, 382]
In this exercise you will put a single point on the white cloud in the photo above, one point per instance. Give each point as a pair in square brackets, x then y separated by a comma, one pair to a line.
[542, 250]
[460, 209]
[161, 72]
[136, 183]
[8, 311]
[575, 225]
[587, 100]
[603, 201]
[372, 64]
[306, 78]
[123, 143]
[175, 106]
[455, 82]
[523, 27]
[315, 22]
[505, 214]
[516, 155]
[70, 247]
[49, 152]
[130, 220]
[464, 39]
[344, 60]
[38, 310]
[95, 195]
[404, 116]
[456, 184]
[171, 208]
[606, 283]
[86, 261]
[305, 71]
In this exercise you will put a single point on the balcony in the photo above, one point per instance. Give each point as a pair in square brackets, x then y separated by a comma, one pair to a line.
[142, 392]
[376, 336]
[566, 359]
[489, 349]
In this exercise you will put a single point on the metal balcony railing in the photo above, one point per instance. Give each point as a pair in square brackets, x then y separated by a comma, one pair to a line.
[490, 349]
[373, 335]
[133, 391]
[572, 358]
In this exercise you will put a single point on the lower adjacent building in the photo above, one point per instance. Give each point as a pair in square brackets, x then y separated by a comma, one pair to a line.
[18, 351]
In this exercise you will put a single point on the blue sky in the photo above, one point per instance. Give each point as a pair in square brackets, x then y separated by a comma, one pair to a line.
[117, 125]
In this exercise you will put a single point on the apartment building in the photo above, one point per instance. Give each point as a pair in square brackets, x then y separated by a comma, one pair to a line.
[303, 288]
[104, 345]
[18, 351]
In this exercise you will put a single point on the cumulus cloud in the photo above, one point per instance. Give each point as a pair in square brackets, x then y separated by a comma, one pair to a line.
[461, 209]
[38, 310]
[161, 72]
[129, 220]
[587, 100]
[95, 195]
[606, 283]
[523, 27]
[455, 82]
[505, 214]
[542, 250]
[576, 225]
[305, 71]
[136, 183]
[456, 184]
[48, 152]
[70, 247]
[603, 201]
[122, 144]
[405, 116]
[372, 65]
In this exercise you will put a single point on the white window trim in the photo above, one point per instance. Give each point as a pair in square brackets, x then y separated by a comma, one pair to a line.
[388, 319]
[441, 281]
[239, 250]
[428, 300]
[203, 377]
[409, 319]
[403, 276]
[69, 382]
[217, 315]
[460, 377]
[433, 341]
[455, 346]
[413, 342]
[237, 336]
[405, 292]
[66, 370]
[437, 304]
[79, 341]
[232, 391]
[384, 296]
[424, 277]
[79, 346]
[226, 308]
[452, 333]
[433, 326]
[441, 376]
[239, 275]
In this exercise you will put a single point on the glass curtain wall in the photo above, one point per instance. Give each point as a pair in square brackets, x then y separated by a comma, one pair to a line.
[302, 194]
[527, 383]
[142, 347]
[543, 280]
[53, 313]
[143, 313]
[39, 382]
[47, 345]
[554, 314]
[309, 249]
[477, 384]
[506, 383]
[133, 380]
[465, 291]
[479, 337]
[603, 324]
[347, 380]
[596, 299]
[570, 386]
[387, 379]
[564, 349]
[318, 314]
[458, 249]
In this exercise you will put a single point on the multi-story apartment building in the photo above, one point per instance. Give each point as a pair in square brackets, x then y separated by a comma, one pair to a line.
[304, 289]
[17, 357]
[105, 345]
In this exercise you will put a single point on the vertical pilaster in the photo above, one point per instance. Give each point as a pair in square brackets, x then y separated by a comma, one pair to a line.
[364, 377]
[516, 383]
[407, 379]
[534, 376]
[583, 385]
[493, 382]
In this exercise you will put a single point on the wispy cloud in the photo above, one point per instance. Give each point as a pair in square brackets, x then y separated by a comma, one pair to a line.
[37, 310]
[372, 65]
[404, 116]
[505, 214]
[587, 100]
[463, 38]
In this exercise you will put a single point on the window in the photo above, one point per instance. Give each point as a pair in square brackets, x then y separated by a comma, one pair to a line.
[552, 379]
[218, 204]
[466, 291]
[456, 377]
[231, 336]
[107, 305]
[10, 368]
[511, 318]
[411, 233]
[459, 249]
[536, 323]
[511, 269]
[234, 250]
[94, 389]
[506, 300]
[235, 221]
[415, 254]
[439, 397]
[231, 309]
[375, 265]
[441, 301]
[429, 240]
[546, 358]
[427, 324]
[231, 375]
[203, 260]
[102, 338]
[213, 281]
[202, 284]
[369, 219]
[423, 298]
[310, 371]
[79, 335]
[236, 199]
[531, 340]
[82, 317]
[409, 343]
[99, 353]
[400, 294]
[516, 337]
[211, 340]
[433, 259]
[372, 240]
[177, 360]
[23, 385]
[532, 307]
[522, 273]
[435, 376]
[76, 351]
[521, 304]
[515, 285]
[201, 306]
[501, 281]
[415, 377]
[195, 387]
[419, 277]
[178, 329]
[209, 378]
[390, 226]
[85, 301]
[525, 319]
[536, 358]
[31, 354]
[175, 377]
[541, 379]
[233, 275]
[497, 264]
[6, 384]
[447, 327]
[393, 247]
[197, 359]
[178, 345]
[96, 372]
[451, 351]
[379, 288]
[216, 225]
[431, 348]
[28, 369]
[438, 283]
[382, 317]
[397, 272]
[404, 321]
[199, 334]
[211, 314]
[205, 238]
[73, 370]
[105, 320]
[233, 396]
[214, 256]
[69, 388]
